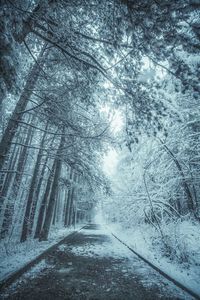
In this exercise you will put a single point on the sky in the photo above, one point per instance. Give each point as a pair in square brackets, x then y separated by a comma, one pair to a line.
[110, 159]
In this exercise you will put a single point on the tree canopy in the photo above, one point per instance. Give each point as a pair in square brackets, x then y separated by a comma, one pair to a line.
[60, 63]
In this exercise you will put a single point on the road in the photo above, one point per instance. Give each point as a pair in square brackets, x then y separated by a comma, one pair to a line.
[92, 265]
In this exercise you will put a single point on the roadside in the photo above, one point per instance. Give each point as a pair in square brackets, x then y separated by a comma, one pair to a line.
[15, 256]
[146, 241]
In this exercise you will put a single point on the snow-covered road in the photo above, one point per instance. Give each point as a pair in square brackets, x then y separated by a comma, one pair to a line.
[92, 265]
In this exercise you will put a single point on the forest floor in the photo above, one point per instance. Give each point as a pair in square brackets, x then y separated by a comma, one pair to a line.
[92, 265]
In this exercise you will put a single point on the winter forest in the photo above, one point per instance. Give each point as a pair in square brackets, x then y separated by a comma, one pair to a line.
[100, 123]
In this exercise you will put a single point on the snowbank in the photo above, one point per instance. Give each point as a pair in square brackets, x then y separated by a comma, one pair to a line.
[14, 256]
[183, 238]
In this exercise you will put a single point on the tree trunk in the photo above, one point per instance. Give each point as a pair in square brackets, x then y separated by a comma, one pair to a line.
[41, 178]
[17, 114]
[37, 194]
[68, 204]
[14, 185]
[8, 176]
[49, 214]
[31, 202]
[7, 205]
[71, 209]
[44, 203]
[22, 162]
[55, 213]
[66, 221]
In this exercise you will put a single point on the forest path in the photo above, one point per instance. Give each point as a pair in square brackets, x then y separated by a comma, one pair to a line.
[92, 265]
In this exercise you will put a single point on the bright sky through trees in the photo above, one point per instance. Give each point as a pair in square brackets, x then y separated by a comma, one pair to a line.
[110, 161]
[115, 118]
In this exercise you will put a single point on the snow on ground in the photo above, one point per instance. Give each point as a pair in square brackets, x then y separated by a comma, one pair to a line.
[141, 240]
[35, 271]
[15, 256]
[131, 265]
[110, 248]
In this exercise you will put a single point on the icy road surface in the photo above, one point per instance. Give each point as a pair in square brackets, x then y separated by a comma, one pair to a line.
[92, 265]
